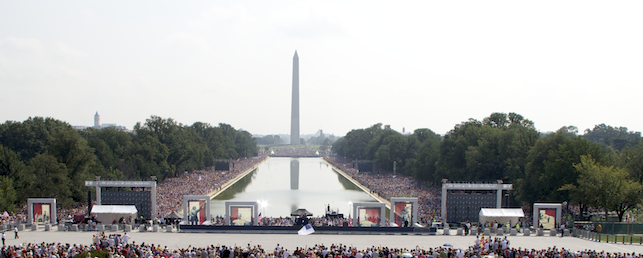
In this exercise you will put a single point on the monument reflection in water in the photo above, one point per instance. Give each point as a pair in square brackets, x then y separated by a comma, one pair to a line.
[288, 184]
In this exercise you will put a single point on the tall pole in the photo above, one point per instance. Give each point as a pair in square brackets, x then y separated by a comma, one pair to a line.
[294, 115]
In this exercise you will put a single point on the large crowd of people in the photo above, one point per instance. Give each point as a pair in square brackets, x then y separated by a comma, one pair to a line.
[117, 246]
[294, 152]
[387, 185]
[170, 192]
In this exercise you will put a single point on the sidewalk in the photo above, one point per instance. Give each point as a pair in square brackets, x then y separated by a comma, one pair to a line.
[290, 241]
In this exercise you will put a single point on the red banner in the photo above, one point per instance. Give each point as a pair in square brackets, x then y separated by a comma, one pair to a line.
[403, 214]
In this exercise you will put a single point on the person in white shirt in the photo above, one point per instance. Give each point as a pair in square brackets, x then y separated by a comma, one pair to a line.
[562, 229]
[125, 238]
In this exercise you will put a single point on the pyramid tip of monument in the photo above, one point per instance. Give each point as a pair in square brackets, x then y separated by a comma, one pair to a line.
[295, 52]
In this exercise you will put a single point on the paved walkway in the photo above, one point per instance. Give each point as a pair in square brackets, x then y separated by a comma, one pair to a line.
[269, 241]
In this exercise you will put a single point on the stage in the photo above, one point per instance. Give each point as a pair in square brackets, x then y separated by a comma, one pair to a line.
[318, 230]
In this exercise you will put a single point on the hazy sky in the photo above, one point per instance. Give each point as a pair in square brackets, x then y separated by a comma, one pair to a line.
[424, 64]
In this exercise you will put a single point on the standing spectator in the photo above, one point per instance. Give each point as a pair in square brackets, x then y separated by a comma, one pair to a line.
[562, 229]
[15, 230]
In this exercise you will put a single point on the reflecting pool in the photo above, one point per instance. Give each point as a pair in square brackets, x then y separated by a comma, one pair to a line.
[283, 185]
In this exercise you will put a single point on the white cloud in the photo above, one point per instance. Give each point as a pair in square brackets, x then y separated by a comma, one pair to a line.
[88, 14]
[22, 44]
[29, 66]
[66, 51]
[216, 15]
[188, 43]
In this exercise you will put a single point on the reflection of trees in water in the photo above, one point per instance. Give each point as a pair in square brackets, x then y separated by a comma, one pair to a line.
[238, 187]
[348, 185]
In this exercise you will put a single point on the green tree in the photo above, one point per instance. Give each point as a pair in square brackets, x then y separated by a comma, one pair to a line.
[148, 158]
[423, 151]
[110, 146]
[50, 178]
[73, 151]
[354, 144]
[393, 148]
[495, 148]
[11, 164]
[632, 160]
[7, 195]
[615, 137]
[604, 186]
[245, 144]
[550, 166]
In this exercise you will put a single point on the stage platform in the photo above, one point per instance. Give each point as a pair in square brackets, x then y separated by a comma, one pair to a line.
[318, 230]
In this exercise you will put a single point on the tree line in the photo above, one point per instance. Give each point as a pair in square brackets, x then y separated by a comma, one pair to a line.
[45, 157]
[603, 168]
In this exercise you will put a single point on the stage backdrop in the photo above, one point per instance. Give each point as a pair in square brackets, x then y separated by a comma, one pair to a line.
[42, 213]
[369, 217]
[241, 216]
[403, 212]
[197, 212]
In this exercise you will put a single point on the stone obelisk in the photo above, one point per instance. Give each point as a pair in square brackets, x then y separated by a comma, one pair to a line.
[294, 114]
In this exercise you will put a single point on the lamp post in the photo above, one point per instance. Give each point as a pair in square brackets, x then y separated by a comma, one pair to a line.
[394, 168]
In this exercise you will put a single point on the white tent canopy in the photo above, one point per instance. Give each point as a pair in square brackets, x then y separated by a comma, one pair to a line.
[107, 214]
[501, 216]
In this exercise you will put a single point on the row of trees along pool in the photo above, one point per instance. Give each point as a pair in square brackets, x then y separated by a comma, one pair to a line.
[45, 157]
[602, 168]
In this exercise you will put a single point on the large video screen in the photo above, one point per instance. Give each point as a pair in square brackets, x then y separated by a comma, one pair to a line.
[369, 217]
[141, 199]
[465, 206]
[547, 218]
[42, 213]
[196, 212]
[365, 167]
[403, 214]
[241, 216]
[222, 166]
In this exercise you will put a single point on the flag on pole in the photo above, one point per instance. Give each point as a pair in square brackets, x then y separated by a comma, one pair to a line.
[306, 230]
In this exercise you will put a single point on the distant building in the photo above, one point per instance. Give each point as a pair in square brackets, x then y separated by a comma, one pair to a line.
[98, 125]
[97, 120]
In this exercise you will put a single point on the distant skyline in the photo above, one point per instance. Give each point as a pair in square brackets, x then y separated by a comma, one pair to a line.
[415, 64]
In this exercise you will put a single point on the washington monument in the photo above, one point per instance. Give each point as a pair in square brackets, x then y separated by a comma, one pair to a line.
[294, 114]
